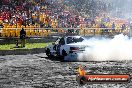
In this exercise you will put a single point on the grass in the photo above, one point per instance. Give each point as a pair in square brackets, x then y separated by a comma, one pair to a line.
[28, 46]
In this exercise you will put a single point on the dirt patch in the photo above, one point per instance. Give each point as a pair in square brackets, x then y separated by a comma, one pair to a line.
[38, 71]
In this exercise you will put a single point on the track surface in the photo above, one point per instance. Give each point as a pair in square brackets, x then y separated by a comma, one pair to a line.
[38, 71]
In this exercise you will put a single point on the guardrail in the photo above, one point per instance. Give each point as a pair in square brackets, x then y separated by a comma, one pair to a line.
[44, 32]
[103, 31]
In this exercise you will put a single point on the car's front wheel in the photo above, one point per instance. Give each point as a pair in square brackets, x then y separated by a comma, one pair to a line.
[48, 53]
[63, 54]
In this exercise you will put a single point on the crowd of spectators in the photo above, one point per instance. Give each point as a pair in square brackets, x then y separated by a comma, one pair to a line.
[56, 14]
[15, 12]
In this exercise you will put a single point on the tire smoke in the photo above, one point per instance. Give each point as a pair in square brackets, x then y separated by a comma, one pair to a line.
[117, 49]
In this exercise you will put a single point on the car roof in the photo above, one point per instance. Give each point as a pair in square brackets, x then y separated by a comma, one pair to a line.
[73, 36]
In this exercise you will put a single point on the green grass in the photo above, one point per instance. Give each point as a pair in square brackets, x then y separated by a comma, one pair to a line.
[28, 46]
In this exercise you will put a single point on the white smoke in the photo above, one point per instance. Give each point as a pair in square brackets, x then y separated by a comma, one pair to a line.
[118, 48]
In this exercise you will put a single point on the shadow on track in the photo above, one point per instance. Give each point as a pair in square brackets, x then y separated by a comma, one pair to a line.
[52, 58]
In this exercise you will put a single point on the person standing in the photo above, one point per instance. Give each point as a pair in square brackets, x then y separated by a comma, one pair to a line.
[23, 37]
[113, 27]
[123, 27]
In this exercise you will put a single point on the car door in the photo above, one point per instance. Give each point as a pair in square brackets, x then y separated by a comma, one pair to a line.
[59, 47]
[56, 44]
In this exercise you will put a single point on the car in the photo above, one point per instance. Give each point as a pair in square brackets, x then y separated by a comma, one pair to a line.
[67, 47]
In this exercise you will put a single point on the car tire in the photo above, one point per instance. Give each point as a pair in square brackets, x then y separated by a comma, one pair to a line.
[63, 54]
[48, 53]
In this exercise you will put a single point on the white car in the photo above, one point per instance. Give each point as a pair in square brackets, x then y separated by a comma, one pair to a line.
[67, 47]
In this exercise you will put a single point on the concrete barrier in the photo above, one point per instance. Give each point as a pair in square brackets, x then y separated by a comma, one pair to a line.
[22, 51]
[28, 40]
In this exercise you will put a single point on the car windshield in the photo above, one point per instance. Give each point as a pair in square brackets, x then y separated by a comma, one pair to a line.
[57, 41]
[74, 40]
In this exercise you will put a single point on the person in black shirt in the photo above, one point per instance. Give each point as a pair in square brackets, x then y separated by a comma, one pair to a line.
[23, 37]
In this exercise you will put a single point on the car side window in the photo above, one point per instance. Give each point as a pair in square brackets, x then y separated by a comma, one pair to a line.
[69, 40]
[57, 41]
[62, 41]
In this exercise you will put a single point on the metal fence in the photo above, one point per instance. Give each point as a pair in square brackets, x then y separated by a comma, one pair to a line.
[45, 32]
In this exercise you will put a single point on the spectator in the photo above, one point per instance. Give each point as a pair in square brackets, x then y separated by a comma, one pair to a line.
[130, 31]
[123, 27]
[113, 26]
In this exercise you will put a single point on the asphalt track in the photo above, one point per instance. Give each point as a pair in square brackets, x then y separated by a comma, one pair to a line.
[38, 71]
